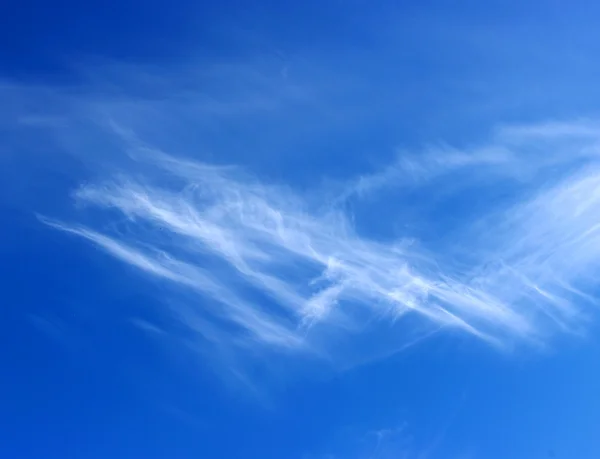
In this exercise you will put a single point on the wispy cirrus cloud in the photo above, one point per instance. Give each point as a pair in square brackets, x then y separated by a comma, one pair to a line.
[291, 276]
[513, 251]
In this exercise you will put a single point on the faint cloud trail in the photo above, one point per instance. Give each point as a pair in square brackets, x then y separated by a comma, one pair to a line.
[295, 278]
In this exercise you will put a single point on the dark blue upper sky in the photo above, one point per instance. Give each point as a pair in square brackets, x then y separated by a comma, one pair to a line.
[335, 229]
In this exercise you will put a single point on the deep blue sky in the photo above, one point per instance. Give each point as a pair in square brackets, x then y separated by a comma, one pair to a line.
[346, 120]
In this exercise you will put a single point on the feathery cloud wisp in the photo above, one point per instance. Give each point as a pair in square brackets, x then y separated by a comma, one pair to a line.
[288, 275]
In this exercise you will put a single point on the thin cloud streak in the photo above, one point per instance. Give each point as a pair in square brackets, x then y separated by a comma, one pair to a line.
[291, 277]
[160, 264]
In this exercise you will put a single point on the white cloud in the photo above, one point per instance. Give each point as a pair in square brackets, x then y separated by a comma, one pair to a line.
[514, 222]
[293, 277]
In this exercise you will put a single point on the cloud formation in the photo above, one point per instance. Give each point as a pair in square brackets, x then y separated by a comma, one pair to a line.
[270, 269]
[496, 241]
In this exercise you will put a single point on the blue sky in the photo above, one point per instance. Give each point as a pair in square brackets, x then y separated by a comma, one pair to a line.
[318, 230]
